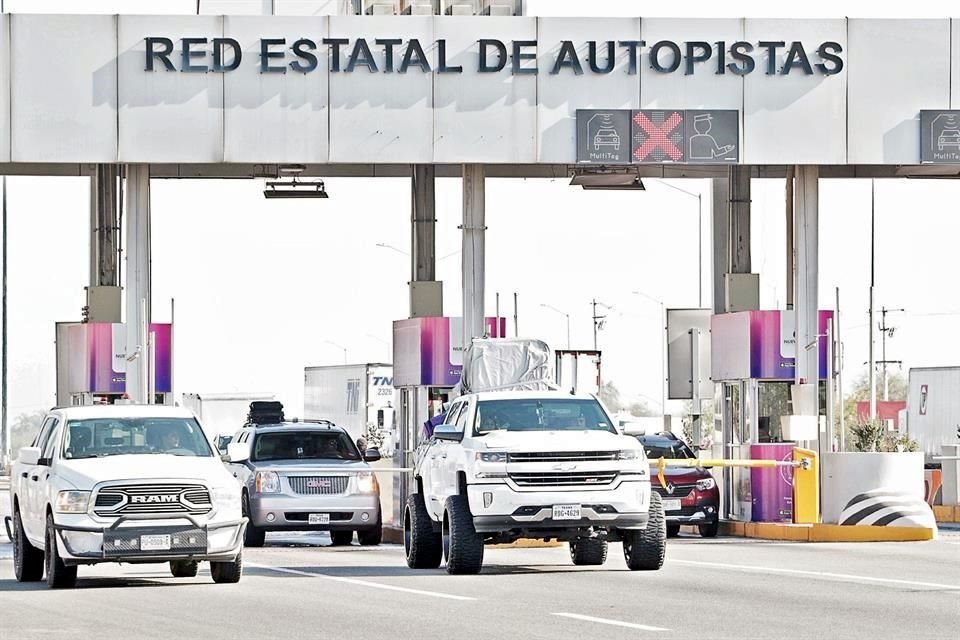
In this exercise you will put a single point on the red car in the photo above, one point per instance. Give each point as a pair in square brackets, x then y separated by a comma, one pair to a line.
[691, 495]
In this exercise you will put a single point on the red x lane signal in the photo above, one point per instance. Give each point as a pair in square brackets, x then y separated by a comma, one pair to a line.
[659, 138]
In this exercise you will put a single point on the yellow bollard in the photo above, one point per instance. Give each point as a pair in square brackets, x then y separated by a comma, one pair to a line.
[806, 487]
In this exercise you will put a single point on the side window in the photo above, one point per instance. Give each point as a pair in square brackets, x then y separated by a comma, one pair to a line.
[462, 417]
[52, 439]
[451, 417]
[44, 434]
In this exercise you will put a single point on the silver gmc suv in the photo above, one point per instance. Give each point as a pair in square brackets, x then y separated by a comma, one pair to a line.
[299, 476]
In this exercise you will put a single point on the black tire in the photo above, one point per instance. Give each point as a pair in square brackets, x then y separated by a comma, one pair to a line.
[644, 550]
[673, 530]
[252, 536]
[588, 552]
[371, 537]
[27, 559]
[422, 545]
[184, 568]
[462, 545]
[227, 572]
[341, 538]
[709, 529]
[59, 575]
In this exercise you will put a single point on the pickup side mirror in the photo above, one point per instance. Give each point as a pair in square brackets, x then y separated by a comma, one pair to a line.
[371, 455]
[237, 452]
[29, 456]
[448, 432]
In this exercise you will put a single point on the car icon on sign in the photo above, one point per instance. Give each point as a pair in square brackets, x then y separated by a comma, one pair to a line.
[606, 137]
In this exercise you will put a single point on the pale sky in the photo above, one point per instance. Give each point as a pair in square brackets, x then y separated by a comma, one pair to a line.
[262, 288]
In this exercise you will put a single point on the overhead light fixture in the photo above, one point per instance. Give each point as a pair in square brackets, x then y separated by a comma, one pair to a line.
[607, 179]
[295, 189]
[933, 171]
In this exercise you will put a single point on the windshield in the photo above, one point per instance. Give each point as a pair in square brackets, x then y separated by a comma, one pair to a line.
[666, 449]
[541, 414]
[305, 445]
[100, 437]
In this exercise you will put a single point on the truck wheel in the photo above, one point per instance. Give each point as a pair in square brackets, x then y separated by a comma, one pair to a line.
[709, 529]
[371, 537]
[422, 545]
[27, 559]
[673, 530]
[341, 538]
[59, 575]
[588, 551]
[252, 536]
[184, 568]
[227, 572]
[645, 550]
[462, 545]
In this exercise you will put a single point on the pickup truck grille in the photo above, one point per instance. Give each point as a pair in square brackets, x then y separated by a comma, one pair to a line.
[563, 456]
[564, 478]
[318, 485]
[152, 498]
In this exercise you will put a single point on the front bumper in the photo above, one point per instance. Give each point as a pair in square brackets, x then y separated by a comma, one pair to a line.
[498, 507]
[288, 513]
[120, 541]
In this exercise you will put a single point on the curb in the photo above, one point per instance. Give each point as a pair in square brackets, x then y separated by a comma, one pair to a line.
[947, 513]
[824, 532]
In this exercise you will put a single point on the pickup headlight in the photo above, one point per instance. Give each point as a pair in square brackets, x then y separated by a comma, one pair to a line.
[73, 501]
[491, 456]
[226, 498]
[706, 484]
[367, 483]
[630, 454]
[267, 482]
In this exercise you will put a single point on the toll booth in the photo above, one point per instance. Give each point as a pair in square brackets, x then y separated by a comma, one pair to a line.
[427, 362]
[753, 360]
[92, 363]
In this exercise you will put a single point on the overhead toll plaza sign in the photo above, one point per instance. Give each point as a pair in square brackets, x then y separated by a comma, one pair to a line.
[658, 136]
[399, 55]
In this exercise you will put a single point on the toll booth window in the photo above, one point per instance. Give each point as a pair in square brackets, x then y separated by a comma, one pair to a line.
[304, 445]
[544, 414]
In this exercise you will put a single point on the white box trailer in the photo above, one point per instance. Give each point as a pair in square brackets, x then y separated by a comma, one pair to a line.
[222, 414]
[933, 408]
[357, 397]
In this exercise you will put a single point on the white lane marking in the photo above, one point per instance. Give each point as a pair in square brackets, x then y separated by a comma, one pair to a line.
[614, 623]
[362, 583]
[843, 577]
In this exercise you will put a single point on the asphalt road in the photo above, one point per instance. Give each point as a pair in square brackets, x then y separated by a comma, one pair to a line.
[722, 588]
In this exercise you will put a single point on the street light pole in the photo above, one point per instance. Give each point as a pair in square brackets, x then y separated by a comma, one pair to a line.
[699, 198]
[339, 346]
[563, 313]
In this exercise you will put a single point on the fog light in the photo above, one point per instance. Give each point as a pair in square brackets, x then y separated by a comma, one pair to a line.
[117, 543]
[710, 509]
[192, 540]
[271, 517]
[364, 516]
[487, 499]
[176, 540]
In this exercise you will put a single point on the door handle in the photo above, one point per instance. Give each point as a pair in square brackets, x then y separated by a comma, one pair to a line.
[34, 478]
[23, 475]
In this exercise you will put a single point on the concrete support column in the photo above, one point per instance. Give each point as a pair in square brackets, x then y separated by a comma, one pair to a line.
[426, 294]
[806, 210]
[474, 232]
[739, 193]
[137, 278]
[104, 227]
[721, 240]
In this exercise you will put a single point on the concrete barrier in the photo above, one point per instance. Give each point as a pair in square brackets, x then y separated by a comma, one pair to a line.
[849, 475]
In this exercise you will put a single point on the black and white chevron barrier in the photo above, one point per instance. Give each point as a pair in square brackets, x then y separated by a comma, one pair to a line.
[887, 507]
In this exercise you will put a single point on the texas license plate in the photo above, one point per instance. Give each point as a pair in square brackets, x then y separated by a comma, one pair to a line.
[566, 512]
[318, 518]
[671, 505]
[155, 543]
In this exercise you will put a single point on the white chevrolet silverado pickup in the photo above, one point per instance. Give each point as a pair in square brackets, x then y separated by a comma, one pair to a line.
[507, 465]
[123, 483]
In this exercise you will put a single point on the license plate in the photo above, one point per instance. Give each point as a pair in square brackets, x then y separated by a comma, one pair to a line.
[155, 543]
[318, 518]
[671, 505]
[566, 512]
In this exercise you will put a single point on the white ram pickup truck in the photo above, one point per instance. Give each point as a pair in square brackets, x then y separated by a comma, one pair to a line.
[507, 465]
[123, 483]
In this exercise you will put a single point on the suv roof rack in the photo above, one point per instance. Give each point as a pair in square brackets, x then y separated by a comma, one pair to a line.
[326, 423]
